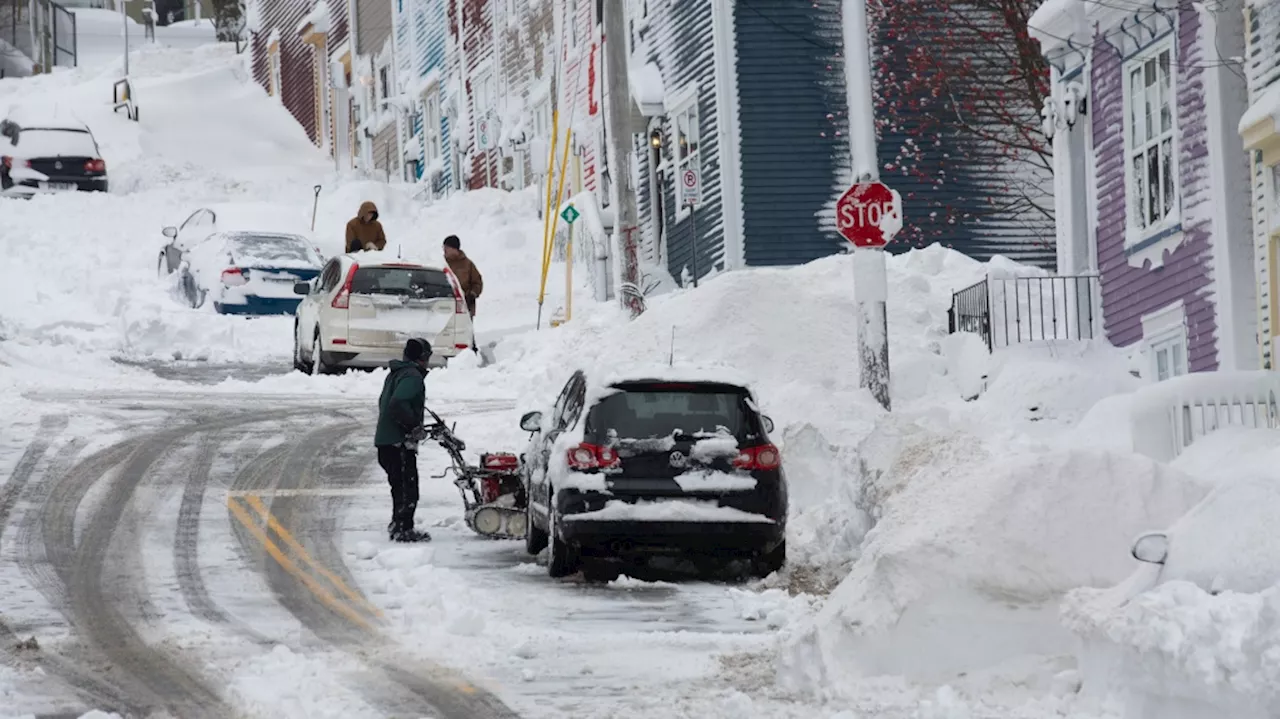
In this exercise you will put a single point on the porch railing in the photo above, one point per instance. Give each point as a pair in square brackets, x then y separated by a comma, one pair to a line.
[1169, 416]
[1012, 310]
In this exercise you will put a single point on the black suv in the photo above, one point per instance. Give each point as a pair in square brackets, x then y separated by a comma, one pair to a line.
[49, 156]
[633, 468]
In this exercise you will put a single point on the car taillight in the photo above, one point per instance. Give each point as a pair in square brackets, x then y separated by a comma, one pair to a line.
[590, 456]
[764, 457]
[11, 162]
[234, 276]
[343, 300]
[95, 166]
[459, 302]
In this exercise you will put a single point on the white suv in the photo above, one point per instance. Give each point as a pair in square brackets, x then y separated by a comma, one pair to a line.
[364, 306]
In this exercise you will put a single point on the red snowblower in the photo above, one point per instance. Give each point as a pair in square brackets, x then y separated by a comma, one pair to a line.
[492, 492]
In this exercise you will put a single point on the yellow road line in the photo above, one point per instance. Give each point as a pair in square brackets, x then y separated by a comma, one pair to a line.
[282, 533]
[319, 591]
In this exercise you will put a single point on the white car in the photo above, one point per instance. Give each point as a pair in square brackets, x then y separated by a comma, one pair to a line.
[364, 306]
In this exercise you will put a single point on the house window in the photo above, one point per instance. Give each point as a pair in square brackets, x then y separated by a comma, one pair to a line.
[1273, 207]
[276, 83]
[685, 145]
[482, 94]
[1164, 336]
[431, 125]
[1150, 141]
[384, 82]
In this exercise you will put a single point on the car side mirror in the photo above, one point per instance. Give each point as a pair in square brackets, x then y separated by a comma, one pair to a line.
[1151, 548]
[768, 423]
[170, 232]
[302, 288]
[531, 422]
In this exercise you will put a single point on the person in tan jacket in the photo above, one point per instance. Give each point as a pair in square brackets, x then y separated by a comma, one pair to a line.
[364, 232]
[465, 270]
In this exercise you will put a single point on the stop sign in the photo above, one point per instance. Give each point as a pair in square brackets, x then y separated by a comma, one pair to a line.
[861, 213]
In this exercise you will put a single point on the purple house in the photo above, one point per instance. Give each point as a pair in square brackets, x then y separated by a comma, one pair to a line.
[1151, 185]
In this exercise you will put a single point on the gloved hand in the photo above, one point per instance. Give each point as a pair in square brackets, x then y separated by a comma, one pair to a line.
[419, 433]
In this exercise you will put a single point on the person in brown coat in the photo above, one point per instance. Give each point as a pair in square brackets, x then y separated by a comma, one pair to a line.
[465, 270]
[364, 232]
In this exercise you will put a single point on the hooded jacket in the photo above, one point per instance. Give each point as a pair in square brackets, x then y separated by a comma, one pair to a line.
[401, 406]
[364, 232]
[468, 278]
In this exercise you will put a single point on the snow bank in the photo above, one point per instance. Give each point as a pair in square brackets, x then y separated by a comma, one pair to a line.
[1200, 635]
[971, 550]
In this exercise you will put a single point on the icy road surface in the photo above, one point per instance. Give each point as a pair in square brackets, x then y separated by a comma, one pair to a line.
[213, 556]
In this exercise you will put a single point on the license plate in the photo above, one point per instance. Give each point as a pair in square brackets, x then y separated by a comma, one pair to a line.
[57, 186]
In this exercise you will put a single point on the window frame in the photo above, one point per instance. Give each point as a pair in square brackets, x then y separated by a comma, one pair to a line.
[432, 142]
[1163, 333]
[1273, 198]
[688, 109]
[1170, 222]
[275, 73]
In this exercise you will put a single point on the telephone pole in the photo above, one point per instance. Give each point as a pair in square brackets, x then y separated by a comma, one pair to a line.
[618, 96]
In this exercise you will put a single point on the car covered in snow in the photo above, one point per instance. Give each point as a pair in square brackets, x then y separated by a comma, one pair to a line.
[651, 463]
[364, 306]
[247, 273]
[40, 154]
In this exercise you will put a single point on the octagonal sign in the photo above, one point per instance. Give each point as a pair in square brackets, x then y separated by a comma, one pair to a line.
[869, 214]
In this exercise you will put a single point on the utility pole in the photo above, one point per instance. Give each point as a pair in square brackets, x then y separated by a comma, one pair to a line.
[618, 94]
[870, 275]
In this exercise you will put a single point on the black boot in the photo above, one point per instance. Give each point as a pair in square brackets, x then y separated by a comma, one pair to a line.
[410, 535]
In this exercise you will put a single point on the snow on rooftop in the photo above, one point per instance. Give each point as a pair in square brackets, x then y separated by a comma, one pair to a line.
[1055, 21]
[1268, 105]
[647, 88]
[318, 18]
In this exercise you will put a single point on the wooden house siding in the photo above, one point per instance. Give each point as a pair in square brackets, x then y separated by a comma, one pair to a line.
[477, 44]
[578, 94]
[1262, 70]
[791, 157]
[680, 41]
[1129, 292]
[298, 93]
[526, 52]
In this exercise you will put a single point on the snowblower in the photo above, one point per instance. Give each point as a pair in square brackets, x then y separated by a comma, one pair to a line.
[492, 492]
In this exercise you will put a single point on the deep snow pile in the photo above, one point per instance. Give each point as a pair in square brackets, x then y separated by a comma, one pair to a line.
[1200, 635]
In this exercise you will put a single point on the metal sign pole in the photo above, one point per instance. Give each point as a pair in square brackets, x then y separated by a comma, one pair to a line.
[693, 215]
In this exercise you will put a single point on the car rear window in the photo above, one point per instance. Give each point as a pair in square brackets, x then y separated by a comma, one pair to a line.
[36, 143]
[653, 411]
[422, 283]
[273, 251]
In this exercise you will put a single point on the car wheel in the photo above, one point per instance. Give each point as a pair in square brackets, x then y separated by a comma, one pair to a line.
[298, 363]
[564, 558]
[535, 538]
[771, 561]
[318, 366]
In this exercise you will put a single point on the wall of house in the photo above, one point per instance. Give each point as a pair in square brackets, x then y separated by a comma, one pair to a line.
[421, 32]
[296, 68]
[791, 158]
[526, 57]
[578, 95]
[1262, 69]
[477, 43]
[680, 41]
[1129, 292]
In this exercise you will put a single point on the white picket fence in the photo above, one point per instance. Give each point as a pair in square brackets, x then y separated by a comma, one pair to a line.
[1169, 416]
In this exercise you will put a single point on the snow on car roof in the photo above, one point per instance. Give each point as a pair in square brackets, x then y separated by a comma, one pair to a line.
[375, 258]
[687, 373]
[54, 117]
[53, 142]
[273, 249]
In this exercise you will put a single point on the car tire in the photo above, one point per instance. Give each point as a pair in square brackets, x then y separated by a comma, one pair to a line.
[771, 561]
[298, 363]
[535, 539]
[318, 366]
[563, 559]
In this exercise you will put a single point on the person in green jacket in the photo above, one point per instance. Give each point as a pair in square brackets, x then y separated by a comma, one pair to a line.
[400, 412]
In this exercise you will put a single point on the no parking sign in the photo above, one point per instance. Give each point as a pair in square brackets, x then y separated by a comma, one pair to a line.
[690, 186]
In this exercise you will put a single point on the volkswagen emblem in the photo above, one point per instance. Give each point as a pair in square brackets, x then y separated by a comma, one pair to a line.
[678, 460]
[57, 165]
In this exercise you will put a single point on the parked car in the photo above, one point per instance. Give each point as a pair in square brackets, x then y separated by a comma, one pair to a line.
[193, 230]
[50, 154]
[248, 273]
[364, 306]
[654, 463]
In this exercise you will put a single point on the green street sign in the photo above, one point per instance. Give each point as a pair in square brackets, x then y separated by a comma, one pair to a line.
[570, 214]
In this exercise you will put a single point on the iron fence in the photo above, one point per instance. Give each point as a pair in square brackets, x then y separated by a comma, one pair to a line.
[63, 24]
[1008, 311]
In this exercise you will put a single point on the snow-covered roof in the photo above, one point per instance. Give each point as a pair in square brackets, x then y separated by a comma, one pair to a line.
[1267, 106]
[647, 88]
[1056, 21]
[318, 18]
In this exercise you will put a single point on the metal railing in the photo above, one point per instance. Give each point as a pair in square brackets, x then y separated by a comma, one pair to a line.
[63, 45]
[1169, 416]
[1007, 311]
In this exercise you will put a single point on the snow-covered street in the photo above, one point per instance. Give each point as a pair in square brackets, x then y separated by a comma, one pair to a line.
[190, 527]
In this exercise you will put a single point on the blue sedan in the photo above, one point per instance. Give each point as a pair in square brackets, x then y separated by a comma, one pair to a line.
[248, 273]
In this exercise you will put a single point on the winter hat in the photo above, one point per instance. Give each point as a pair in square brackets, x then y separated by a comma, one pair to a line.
[453, 241]
[417, 349]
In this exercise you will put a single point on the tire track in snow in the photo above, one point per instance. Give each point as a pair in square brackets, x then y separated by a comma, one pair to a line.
[398, 684]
